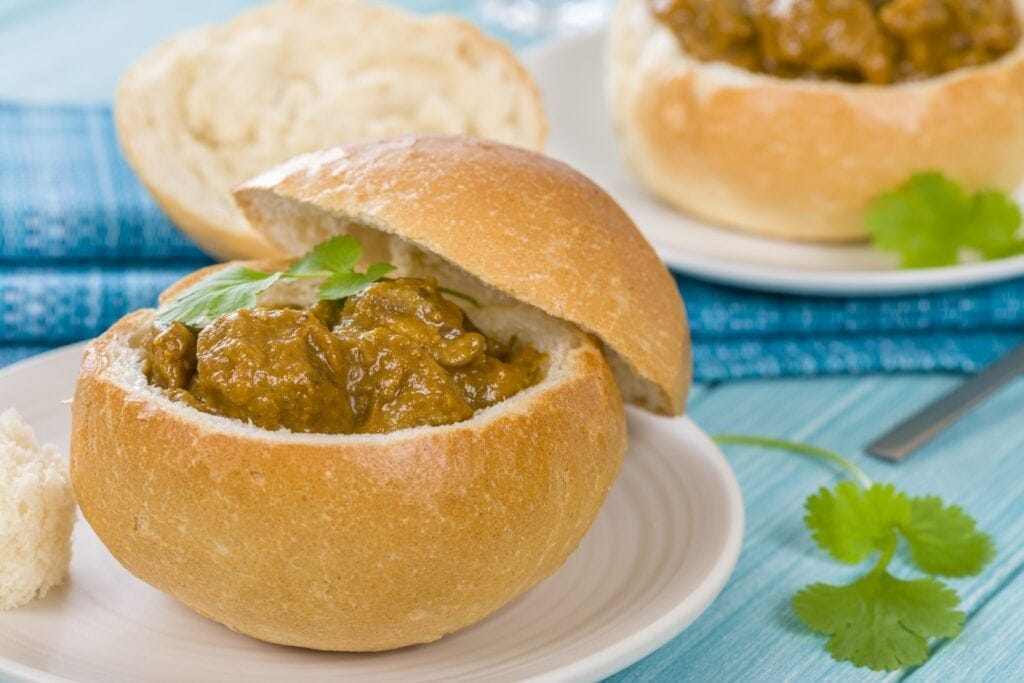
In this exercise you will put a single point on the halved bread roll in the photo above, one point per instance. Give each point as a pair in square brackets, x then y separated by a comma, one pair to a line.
[371, 542]
[210, 108]
[798, 158]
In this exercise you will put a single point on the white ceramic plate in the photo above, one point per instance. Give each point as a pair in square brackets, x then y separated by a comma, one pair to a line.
[658, 554]
[569, 71]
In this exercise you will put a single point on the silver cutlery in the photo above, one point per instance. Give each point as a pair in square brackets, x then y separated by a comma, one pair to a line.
[909, 435]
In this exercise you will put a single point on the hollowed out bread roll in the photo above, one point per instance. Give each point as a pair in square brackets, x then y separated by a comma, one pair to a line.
[347, 542]
[800, 158]
[371, 542]
[212, 107]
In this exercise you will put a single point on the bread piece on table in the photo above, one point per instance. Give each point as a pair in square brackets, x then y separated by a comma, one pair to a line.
[37, 513]
[212, 107]
[798, 158]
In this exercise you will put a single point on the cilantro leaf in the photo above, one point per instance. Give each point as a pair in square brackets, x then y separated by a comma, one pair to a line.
[341, 285]
[919, 220]
[237, 286]
[335, 260]
[943, 539]
[879, 621]
[851, 523]
[339, 254]
[992, 230]
[224, 291]
[928, 220]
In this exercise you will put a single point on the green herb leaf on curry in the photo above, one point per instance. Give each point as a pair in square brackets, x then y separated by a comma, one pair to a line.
[226, 290]
[237, 286]
[344, 284]
[339, 254]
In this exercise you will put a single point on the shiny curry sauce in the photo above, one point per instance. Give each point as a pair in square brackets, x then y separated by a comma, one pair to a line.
[396, 355]
[859, 41]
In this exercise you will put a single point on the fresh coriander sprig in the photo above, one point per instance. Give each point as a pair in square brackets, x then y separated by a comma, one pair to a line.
[334, 261]
[797, 447]
[929, 220]
[879, 621]
[226, 290]
[234, 287]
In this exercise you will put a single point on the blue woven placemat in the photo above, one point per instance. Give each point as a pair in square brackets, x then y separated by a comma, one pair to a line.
[81, 243]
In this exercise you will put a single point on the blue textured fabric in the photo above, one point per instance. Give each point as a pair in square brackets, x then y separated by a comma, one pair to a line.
[740, 334]
[66, 194]
[57, 305]
[81, 243]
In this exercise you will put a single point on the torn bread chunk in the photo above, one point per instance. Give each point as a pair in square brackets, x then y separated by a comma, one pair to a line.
[37, 513]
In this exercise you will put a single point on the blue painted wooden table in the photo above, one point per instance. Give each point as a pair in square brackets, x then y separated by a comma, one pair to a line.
[74, 50]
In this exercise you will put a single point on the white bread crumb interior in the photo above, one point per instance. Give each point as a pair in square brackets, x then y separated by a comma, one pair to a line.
[37, 513]
[215, 106]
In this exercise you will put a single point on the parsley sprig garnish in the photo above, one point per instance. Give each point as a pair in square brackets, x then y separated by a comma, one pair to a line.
[234, 287]
[880, 621]
[931, 221]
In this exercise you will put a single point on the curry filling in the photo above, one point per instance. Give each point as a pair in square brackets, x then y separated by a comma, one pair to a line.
[396, 355]
[859, 41]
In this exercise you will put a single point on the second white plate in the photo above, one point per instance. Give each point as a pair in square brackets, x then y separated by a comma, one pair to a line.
[658, 554]
[569, 71]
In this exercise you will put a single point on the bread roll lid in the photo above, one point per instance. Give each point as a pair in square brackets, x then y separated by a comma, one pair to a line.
[524, 225]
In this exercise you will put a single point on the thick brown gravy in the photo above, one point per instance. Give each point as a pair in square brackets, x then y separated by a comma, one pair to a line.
[396, 355]
[860, 41]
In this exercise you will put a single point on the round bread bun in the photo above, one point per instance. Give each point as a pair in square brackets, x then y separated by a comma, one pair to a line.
[372, 542]
[212, 107]
[355, 542]
[800, 159]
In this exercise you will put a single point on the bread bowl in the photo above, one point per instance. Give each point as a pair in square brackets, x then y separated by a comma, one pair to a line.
[799, 158]
[214, 106]
[375, 541]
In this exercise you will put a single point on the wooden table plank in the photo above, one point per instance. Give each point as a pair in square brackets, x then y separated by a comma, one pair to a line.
[979, 655]
[750, 632]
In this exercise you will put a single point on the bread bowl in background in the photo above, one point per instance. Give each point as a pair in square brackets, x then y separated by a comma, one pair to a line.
[371, 542]
[212, 107]
[800, 158]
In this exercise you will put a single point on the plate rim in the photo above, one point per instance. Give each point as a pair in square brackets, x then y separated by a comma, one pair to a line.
[636, 647]
[606, 662]
[779, 279]
[19, 672]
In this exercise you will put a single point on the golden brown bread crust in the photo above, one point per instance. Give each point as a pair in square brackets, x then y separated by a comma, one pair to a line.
[343, 543]
[523, 223]
[796, 158]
